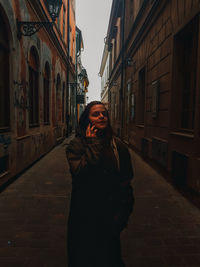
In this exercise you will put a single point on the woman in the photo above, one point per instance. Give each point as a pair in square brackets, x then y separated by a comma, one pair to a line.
[102, 197]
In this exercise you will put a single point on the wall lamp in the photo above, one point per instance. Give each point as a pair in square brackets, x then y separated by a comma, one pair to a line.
[28, 28]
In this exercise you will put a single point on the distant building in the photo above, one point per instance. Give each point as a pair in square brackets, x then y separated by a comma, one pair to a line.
[104, 74]
[82, 77]
[154, 83]
[36, 105]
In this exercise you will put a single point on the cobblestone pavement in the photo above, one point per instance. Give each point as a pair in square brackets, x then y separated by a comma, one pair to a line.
[163, 231]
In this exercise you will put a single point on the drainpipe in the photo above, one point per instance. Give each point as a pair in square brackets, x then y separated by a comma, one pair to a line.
[122, 69]
[68, 108]
[76, 85]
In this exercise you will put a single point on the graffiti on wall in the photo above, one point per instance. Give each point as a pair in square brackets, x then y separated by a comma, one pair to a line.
[21, 100]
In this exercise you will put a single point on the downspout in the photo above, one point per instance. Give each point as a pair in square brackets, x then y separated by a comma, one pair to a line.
[122, 69]
[68, 108]
[76, 85]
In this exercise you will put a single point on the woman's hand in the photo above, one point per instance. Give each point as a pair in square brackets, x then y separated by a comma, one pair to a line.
[91, 131]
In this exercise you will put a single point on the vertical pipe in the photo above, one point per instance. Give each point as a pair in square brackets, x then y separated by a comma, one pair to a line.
[76, 112]
[122, 68]
[68, 108]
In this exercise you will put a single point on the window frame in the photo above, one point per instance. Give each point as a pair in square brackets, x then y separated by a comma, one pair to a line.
[46, 95]
[33, 88]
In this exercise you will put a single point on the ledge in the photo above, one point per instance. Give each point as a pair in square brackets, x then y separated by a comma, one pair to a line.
[181, 134]
[160, 139]
[140, 125]
[4, 129]
[22, 137]
[4, 174]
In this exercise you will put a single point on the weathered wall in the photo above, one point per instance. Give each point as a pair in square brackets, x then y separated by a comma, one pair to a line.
[21, 143]
[154, 51]
[150, 51]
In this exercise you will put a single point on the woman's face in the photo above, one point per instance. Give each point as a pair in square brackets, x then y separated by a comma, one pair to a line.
[98, 116]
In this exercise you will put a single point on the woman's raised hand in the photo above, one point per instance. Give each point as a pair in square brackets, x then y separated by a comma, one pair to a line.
[91, 131]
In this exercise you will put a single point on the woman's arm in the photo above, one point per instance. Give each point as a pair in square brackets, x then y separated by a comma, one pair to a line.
[83, 157]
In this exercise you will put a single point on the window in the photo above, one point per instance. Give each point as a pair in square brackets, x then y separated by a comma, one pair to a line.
[132, 106]
[185, 60]
[131, 7]
[64, 15]
[69, 48]
[128, 102]
[155, 98]
[33, 88]
[58, 22]
[63, 103]
[4, 77]
[141, 3]
[58, 89]
[141, 96]
[46, 83]
[115, 50]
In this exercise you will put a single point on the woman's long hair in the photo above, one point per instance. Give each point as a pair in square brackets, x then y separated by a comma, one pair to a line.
[84, 119]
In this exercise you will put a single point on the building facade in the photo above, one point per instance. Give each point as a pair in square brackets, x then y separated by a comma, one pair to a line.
[154, 83]
[81, 75]
[104, 73]
[34, 82]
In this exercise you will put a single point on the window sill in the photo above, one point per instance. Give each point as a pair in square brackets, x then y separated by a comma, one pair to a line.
[181, 134]
[34, 125]
[160, 139]
[4, 129]
[140, 125]
[22, 137]
[4, 174]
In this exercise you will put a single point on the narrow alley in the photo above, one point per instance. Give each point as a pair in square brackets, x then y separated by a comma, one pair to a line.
[163, 231]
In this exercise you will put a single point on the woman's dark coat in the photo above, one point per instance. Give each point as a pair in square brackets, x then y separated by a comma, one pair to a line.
[101, 202]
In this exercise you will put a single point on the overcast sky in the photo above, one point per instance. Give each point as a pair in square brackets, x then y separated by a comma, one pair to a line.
[92, 17]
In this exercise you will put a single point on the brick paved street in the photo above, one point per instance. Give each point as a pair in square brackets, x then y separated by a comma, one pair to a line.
[164, 230]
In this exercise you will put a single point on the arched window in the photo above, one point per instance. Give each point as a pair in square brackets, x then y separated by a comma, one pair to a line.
[46, 83]
[33, 88]
[63, 103]
[4, 77]
[58, 89]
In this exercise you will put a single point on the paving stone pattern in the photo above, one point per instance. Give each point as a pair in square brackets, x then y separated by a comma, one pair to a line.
[163, 231]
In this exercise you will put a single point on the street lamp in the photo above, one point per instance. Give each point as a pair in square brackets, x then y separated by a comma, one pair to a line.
[28, 28]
